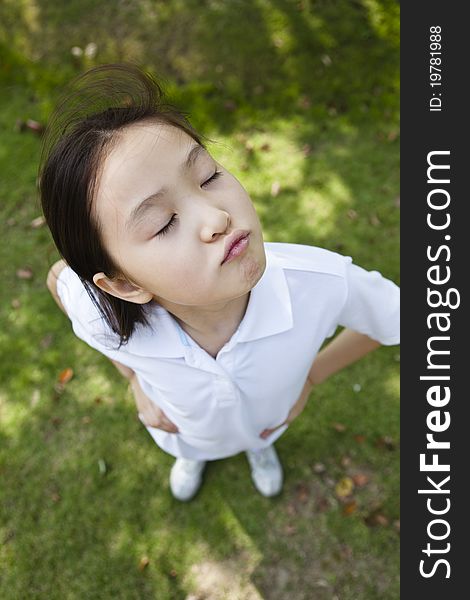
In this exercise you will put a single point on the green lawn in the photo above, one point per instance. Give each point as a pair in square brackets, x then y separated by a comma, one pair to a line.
[301, 98]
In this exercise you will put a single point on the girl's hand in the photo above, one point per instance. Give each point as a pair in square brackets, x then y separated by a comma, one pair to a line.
[294, 411]
[149, 414]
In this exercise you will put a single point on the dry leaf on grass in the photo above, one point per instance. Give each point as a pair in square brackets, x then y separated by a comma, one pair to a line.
[385, 442]
[37, 222]
[360, 479]
[24, 273]
[30, 124]
[344, 487]
[302, 493]
[350, 507]
[34, 126]
[65, 376]
[375, 518]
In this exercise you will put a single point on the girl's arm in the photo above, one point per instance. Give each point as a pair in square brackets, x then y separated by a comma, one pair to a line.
[149, 413]
[51, 282]
[348, 347]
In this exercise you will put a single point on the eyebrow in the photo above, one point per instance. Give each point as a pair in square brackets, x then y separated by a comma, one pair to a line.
[142, 207]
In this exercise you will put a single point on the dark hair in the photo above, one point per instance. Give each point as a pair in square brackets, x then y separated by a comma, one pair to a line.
[82, 129]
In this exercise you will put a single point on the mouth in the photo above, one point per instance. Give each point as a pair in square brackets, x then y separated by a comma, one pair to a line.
[235, 245]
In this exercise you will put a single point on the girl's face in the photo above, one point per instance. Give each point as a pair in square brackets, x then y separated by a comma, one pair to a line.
[166, 208]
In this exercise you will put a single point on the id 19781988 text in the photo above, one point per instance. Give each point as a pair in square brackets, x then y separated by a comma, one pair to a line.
[435, 68]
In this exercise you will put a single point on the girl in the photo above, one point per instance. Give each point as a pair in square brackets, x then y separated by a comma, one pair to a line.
[165, 272]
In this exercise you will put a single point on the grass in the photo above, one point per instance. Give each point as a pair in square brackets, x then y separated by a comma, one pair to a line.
[303, 95]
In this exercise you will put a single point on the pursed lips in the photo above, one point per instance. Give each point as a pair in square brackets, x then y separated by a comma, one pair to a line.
[232, 240]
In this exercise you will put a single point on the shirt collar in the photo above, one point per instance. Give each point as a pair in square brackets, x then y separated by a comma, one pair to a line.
[269, 309]
[269, 312]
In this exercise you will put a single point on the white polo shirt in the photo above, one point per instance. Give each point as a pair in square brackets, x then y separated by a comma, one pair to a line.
[221, 405]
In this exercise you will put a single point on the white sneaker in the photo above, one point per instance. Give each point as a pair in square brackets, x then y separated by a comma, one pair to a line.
[186, 478]
[266, 470]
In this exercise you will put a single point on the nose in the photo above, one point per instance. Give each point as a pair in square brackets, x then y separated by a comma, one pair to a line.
[214, 222]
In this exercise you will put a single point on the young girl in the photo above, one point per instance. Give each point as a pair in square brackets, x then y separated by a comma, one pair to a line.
[166, 273]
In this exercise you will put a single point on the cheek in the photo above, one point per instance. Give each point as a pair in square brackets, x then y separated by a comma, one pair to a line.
[176, 279]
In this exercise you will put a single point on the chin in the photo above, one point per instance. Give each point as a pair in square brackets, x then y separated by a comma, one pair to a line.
[253, 266]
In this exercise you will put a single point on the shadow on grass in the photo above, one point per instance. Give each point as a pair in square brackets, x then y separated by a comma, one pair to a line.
[276, 56]
[108, 519]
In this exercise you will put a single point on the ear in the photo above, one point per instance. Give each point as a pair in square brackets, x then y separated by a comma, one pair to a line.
[122, 288]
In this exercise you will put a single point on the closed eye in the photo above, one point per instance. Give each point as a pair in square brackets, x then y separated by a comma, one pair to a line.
[215, 176]
[168, 226]
[173, 219]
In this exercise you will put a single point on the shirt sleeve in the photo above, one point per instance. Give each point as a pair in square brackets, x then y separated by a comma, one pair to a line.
[372, 305]
[87, 321]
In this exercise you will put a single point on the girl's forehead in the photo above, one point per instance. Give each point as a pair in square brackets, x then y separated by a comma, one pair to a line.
[150, 136]
[144, 157]
[143, 148]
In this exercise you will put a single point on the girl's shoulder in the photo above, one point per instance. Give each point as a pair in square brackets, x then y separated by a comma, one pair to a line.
[81, 306]
[156, 338]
